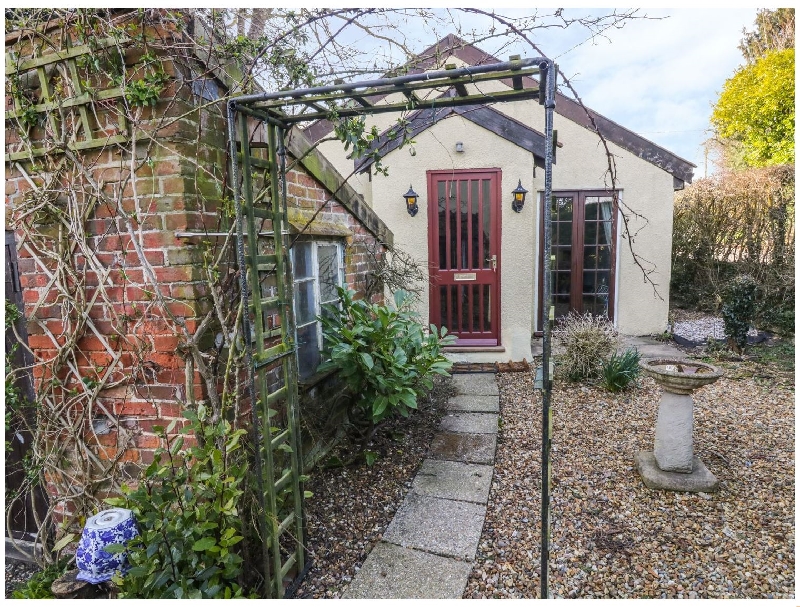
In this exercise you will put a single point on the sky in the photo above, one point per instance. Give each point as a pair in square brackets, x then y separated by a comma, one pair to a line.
[656, 77]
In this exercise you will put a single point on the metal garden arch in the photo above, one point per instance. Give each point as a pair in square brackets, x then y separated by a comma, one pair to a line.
[263, 255]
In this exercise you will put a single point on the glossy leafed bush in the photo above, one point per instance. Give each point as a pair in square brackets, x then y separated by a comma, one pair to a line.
[187, 508]
[384, 354]
[739, 309]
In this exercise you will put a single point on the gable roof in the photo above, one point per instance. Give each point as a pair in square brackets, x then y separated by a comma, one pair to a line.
[451, 45]
[483, 115]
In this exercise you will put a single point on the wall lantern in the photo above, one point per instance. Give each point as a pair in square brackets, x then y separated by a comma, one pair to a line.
[519, 197]
[411, 201]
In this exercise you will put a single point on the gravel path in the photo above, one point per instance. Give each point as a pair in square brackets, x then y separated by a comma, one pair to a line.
[699, 326]
[352, 507]
[17, 574]
[612, 537]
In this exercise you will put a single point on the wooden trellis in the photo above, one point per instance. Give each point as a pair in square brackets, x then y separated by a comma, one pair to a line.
[51, 82]
[264, 253]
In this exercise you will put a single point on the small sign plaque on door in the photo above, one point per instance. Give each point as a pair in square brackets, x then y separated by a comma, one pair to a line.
[465, 276]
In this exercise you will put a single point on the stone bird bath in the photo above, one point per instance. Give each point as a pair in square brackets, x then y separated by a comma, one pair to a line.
[672, 464]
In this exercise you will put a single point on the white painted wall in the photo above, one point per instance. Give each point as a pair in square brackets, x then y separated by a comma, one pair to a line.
[581, 165]
[436, 151]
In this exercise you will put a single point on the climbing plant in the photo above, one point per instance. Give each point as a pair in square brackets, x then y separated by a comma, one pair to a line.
[115, 119]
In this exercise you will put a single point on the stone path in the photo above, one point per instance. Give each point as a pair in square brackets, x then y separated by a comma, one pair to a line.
[428, 549]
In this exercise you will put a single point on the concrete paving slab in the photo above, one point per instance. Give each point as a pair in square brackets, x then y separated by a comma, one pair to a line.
[474, 403]
[652, 348]
[393, 572]
[647, 346]
[445, 527]
[470, 423]
[454, 481]
[482, 384]
[471, 448]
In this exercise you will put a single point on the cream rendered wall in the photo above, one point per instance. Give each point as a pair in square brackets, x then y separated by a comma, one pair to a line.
[645, 189]
[334, 150]
[483, 149]
[581, 165]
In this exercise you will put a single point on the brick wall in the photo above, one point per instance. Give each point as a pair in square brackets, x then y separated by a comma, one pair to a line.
[127, 336]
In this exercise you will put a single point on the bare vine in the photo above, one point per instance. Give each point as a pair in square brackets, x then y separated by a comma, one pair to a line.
[89, 218]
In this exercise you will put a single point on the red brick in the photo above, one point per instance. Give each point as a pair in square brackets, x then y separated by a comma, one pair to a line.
[135, 408]
[154, 258]
[171, 410]
[147, 441]
[40, 342]
[156, 392]
[176, 274]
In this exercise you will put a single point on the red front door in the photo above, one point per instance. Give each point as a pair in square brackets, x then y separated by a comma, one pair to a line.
[464, 254]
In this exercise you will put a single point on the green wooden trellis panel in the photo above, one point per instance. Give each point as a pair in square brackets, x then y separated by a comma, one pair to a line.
[267, 289]
[266, 276]
[78, 105]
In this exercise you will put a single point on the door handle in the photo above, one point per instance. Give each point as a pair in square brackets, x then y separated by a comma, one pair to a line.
[493, 259]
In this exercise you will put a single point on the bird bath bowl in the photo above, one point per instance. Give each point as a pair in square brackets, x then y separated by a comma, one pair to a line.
[672, 464]
[679, 376]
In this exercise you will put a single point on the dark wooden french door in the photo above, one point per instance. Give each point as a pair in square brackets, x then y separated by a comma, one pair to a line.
[583, 236]
[464, 254]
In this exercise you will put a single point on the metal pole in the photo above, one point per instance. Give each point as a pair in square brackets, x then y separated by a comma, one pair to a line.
[549, 76]
[255, 433]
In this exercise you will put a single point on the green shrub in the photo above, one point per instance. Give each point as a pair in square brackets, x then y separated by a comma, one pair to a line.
[384, 355]
[187, 508]
[739, 309]
[39, 584]
[620, 370]
[587, 341]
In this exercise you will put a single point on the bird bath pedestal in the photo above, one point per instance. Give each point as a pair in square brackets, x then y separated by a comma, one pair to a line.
[672, 464]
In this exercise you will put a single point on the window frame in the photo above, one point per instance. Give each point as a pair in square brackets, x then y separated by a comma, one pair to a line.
[314, 278]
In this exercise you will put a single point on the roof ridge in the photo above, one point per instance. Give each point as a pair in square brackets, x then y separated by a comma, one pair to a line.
[571, 109]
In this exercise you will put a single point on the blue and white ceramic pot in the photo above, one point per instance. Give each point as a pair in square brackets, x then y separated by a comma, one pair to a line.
[114, 526]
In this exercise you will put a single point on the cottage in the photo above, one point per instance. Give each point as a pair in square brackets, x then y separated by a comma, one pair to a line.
[483, 251]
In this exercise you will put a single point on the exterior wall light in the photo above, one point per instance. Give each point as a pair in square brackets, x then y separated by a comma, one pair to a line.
[459, 146]
[519, 197]
[411, 201]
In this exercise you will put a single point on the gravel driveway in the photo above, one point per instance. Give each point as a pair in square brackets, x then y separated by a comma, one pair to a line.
[612, 537]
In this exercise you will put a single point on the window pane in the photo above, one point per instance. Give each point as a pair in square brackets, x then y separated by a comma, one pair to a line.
[305, 305]
[308, 357]
[487, 222]
[590, 236]
[328, 260]
[303, 266]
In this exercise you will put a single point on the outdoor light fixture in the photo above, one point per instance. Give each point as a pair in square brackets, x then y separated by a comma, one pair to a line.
[411, 201]
[519, 197]
[459, 146]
